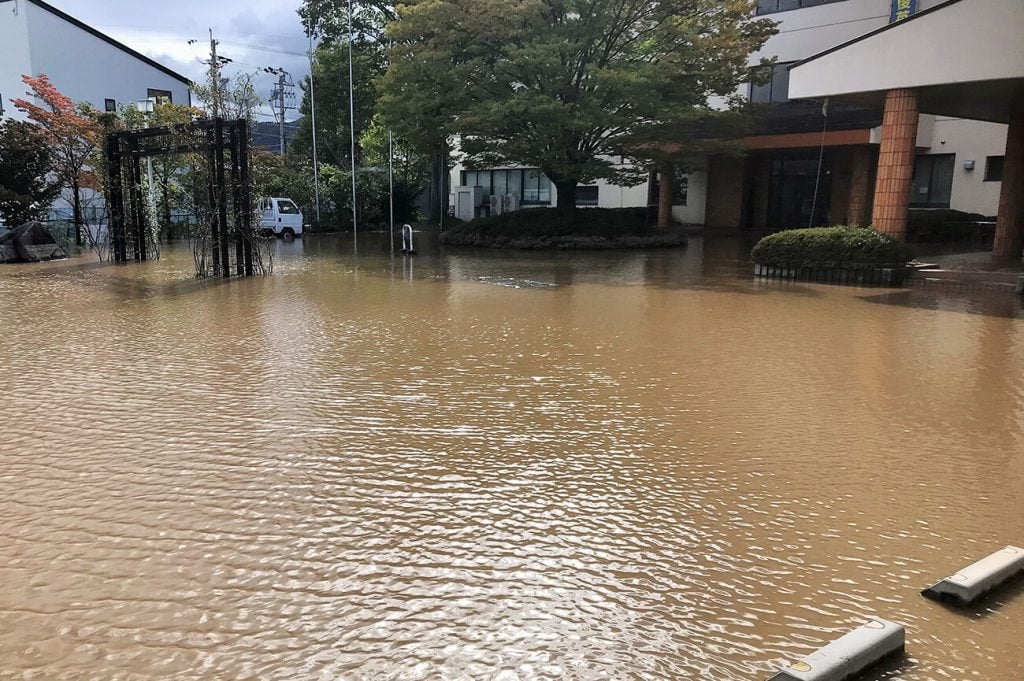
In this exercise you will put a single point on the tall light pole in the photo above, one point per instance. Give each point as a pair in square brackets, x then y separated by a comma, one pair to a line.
[352, 124]
[148, 109]
[312, 111]
[391, 187]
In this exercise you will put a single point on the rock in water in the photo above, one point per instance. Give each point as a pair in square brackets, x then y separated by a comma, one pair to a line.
[32, 242]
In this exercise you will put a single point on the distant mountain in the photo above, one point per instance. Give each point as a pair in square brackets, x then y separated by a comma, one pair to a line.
[267, 135]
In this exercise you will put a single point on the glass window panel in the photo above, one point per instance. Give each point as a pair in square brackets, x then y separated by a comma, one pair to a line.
[543, 188]
[515, 183]
[531, 187]
[587, 196]
[994, 168]
[780, 83]
[500, 182]
[942, 180]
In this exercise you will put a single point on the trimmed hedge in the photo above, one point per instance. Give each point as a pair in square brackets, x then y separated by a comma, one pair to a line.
[830, 247]
[585, 228]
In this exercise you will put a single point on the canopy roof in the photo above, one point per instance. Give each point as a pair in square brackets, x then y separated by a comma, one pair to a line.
[964, 57]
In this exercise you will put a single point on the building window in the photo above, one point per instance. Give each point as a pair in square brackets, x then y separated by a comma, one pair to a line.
[536, 187]
[933, 180]
[161, 96]
[775, 89]
[110, 105]
[587, 197]
[994, 168]
[771, 6]
[530, 185]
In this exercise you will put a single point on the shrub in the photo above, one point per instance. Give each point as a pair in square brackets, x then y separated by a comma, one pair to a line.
[587, 228]
[830, 247]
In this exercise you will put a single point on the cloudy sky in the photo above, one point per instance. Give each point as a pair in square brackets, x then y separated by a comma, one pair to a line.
[253, 33]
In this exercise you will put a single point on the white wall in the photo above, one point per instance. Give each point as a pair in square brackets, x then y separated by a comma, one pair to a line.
[969, 41]
[696, 199]
[15, 60]
[86, 68]
[806, 32]
[970, 141]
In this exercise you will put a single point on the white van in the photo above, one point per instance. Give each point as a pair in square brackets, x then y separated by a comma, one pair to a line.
[281, 216]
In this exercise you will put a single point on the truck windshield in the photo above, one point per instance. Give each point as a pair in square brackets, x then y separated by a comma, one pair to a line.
[287, 208]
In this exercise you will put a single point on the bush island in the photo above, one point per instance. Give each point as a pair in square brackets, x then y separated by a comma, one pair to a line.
[830, 247]
[586, 228]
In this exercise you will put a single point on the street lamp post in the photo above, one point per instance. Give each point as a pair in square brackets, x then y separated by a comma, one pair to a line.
[352, 125]
[148, 109]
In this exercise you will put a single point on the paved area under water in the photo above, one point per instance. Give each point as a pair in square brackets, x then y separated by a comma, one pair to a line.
[493, 466]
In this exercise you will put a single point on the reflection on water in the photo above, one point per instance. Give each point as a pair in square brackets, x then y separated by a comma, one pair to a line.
[612, 465]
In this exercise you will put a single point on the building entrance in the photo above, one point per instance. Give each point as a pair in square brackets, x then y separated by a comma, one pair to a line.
[792, 199]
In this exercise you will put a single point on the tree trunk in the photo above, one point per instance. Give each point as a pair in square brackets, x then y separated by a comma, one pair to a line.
[666, 190]
[76, 213]
[566, 189]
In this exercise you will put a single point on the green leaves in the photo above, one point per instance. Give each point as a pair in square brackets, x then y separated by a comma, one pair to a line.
[830, 247]
[26, 187]
[569, 86]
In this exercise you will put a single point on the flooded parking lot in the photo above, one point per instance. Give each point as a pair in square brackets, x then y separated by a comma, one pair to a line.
[494, 466]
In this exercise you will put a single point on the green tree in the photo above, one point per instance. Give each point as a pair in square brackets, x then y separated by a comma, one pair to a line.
[27, 187]
[329, 18]
[330, 77]
[569, 86]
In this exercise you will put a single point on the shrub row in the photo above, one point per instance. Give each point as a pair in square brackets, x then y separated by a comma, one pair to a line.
[830, 247]
[545, 228]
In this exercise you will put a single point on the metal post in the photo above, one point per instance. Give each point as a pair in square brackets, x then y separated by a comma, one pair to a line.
[280, 104]
[138, 212]
[211, 186]
[243, 178]
[312, 112]
[115, 222]
[236, 201]
[352, 125]
[222, 199]
[215, 69]
[391, 186]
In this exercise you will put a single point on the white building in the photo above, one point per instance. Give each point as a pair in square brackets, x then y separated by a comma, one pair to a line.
[83, 63]
[958, 164]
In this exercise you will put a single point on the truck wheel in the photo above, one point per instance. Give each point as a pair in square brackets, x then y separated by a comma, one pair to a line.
[287, 233]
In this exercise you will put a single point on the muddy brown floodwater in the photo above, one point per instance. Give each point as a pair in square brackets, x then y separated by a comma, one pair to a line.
[485, 466]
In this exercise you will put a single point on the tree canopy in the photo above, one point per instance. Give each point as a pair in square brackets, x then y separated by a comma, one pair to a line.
[26, 187]
[568, 86]
[73, 134]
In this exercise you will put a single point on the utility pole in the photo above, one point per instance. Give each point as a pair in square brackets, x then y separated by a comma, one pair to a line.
[215, 75]
[312, 111]
[280, 98]
[352, 127]
[216, 83]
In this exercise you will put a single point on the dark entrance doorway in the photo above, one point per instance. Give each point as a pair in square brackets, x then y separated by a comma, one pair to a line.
[798, 195]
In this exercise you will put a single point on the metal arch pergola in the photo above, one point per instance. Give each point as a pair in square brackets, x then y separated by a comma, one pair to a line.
[222, 143]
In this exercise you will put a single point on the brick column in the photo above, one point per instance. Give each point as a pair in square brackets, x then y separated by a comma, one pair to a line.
[859, 206]
[1009, 242]
[896, 163]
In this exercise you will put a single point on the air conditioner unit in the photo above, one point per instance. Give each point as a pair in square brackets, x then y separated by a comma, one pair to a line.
[509, 203]
[496, 204]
